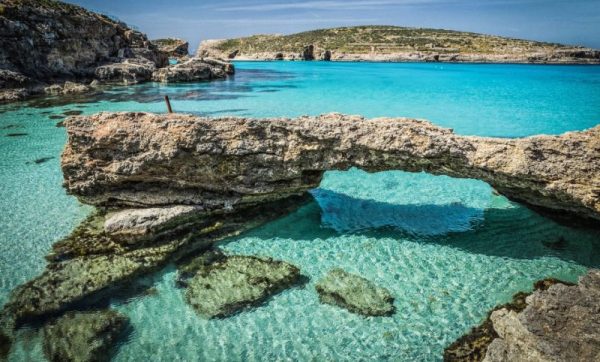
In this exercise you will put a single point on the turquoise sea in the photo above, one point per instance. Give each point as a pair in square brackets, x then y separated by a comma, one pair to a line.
[448, 249]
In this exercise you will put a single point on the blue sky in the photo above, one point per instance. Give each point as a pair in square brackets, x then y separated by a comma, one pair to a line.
[564, 21]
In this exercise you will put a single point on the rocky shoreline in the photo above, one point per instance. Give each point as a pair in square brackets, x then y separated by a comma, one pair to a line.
[558, 321]
[71, 50]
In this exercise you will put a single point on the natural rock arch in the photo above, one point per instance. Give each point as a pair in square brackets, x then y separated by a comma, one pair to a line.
[144, 159]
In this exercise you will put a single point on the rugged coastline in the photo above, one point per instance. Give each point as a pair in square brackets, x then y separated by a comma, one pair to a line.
[72, 50]
[396, 44]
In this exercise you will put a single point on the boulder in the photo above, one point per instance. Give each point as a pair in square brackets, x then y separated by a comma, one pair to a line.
[125, 72]
[192, 70]
[83, 336]
[230, 284]
[355, 293]
[68, 88]
[228, 163]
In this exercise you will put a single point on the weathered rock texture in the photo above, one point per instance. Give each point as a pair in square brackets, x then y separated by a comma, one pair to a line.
[176, 48]
[355, 293]
[561, 323]
[558, 321]
[396, 44]
[83, 336]
[142, 159]
[232, 283]
[50, 42]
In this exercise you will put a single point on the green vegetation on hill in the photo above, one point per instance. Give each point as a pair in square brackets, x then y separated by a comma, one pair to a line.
[386, 39]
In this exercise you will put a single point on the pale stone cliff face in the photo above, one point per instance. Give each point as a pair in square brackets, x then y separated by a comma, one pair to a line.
[144, 160]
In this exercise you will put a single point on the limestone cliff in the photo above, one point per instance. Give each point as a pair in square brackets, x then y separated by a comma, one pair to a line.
[143, 160]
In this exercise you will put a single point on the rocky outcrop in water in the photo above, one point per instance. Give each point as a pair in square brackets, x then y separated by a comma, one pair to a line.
[44, 43]
[176, 48]
[83, 336]
[193, 70]
[556, 322]
[231, 283]
[561, 323]
[220, 165]
[355, 293]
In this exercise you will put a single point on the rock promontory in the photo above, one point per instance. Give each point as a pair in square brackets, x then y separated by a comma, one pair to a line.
[129, 160]
[45, 45]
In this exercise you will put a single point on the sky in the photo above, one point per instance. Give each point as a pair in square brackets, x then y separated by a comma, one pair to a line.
[575, 22]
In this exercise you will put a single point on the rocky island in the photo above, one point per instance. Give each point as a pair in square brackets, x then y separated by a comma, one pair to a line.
[396, 44]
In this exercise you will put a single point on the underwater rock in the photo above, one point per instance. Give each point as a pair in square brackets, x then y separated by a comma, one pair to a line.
[228, 285]
[91, 265]
[132, 225]
[192, 70]
[83, 336]
[355, 293]
[221, 164]
[561, 323]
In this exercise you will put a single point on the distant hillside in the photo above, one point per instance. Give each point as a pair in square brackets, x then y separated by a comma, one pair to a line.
[396, 43]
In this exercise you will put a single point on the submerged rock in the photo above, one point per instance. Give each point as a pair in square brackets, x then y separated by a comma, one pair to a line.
[83, 336]
[355, 293]
[222, 164]
[92, 264]
[230, 284]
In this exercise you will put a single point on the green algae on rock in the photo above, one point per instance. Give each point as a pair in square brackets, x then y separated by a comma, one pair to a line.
[228, 285]
[83, 336]
[91, 264]
[355, 293]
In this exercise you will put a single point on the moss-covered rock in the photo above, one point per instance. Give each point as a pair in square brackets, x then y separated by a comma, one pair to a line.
[83, 336]
[355, 293]
[227, 286]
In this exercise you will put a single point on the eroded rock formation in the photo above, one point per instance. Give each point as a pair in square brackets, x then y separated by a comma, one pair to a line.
[557, 322]
[219, 165]
[177, 48]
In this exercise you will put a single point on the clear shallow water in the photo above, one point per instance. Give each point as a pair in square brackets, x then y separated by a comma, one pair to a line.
[448, 249]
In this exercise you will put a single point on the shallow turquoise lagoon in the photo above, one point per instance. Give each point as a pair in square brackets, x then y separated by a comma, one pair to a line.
[448, 249]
